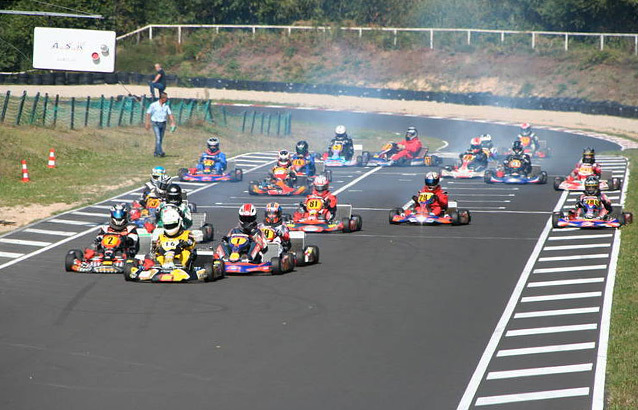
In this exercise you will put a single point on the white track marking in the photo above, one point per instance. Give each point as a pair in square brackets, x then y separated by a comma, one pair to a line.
[540, 371]
[546, 349]
[574, 257]
[496, 201]
[583, 246]
[490, 195]
[532, 396]
[10, 255]
[565, 282]
[576, 199]
[89, 214]
[480, 189]
[561, 296]
[190, 183]
[570, 269]
[354, 181]
[23, 242]
[551, 329]
[48, 232]
[118, 200]
[99, 206]
[71, 222]
[557, 312]
[253, 161]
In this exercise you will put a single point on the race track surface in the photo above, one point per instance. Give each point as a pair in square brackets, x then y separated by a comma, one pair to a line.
[392, 317]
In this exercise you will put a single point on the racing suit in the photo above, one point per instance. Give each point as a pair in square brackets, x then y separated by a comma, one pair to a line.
[440, 201]
[291, 177]
[596, 169]
[348, 147]
[281, 231]
[408, 150]
[526, 164]
[480, 159]
[258, 242]
[329, 203]
[183, 251]
[129, 236]
[534, 143]
[184, 212]
[218, 157]
[309, 167]
[151, 193]
[604, 200]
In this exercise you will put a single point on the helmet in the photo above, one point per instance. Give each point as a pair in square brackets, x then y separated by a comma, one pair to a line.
[321, 183]
[526, 130]
[341, 131]
[486, 138]
[247, 217]
[592, 186]
[119, 217]
[172, 221]
[284, 158]
[432, 179]
[517, 147]
[273, 213]
[213, 144]
[411, 133]
[589, 156]
[174, 194]
[302, 148]
[475, 145]
[162, 184]
[157, 172]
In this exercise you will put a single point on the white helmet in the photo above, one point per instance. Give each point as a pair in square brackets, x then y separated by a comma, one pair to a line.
[172, 221]
[486, 138]
[321, 183]
[341, 130]
[283, 160]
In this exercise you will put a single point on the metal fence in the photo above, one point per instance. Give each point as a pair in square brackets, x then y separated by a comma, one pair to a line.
[74, 113]
[468, 33]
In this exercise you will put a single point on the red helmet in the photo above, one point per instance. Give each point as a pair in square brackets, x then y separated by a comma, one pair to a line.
[247, 216]
[273, 213]
[321, 183]
[475, 145]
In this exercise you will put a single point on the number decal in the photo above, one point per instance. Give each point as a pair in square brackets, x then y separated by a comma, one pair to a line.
[111, 241]
[594, 202]
[525, 141]
[468, 157]
[425, 196]
[152, 203]
[269, 233]
[314, 204]
[299, 162]
[238, 240]
[209, 162]
[515, 163]
[337, 147]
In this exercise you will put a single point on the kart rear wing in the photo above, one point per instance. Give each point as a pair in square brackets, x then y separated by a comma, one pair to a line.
[343, 211]
[297, 240]
[358, 149]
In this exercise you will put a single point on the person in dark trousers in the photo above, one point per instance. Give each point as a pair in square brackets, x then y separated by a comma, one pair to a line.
[158, 113]
[159, 81]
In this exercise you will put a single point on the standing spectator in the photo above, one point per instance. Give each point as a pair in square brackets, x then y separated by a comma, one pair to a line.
[159, 81]
[158, 112]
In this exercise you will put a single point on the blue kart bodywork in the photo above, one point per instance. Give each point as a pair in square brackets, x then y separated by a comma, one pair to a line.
[515, 178]
[210, 175]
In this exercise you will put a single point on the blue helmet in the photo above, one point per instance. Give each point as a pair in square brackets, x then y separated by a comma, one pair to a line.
[157, 172]
[432, 179]
[119, 217]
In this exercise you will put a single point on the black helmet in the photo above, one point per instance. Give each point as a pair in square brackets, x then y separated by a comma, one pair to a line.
[432, 179]
[592, 185]
[302, 148]
[248, 217]
[589, 156]
[119, 217]
[517, 147]
[411, 133]
[174, 194]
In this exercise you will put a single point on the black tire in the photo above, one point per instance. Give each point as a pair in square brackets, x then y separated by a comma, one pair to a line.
[627, 218]
[276, 266]
[328, 174]
[456, 220]
[252, 188]
[488, 177]
[557, 182]
[209, 232]
[465, 217]
[313, 250]
[286, 217]
[358, 222]
[71, 256]
[192, 206]
[238, 175]
[394, 212]
[365, 158]
[555, 217]
[359, 161]
[616, 184]
[287, 262]
[543, 179]
[181, 173]
[219, 269]
[208, 272]
[346, 225]
[128, 273]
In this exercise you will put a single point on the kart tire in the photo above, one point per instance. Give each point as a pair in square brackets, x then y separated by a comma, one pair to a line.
[346, 225]
[435, 161]
[359, 161]
[127, 272]
[543, 177]
[286, 217]
[238, 175]
[555, 217]
[487, 177]
[616, 184]
[287, 262]
[626, 218]
[365, 158]
[328, 174]
[252, 188]
[208, 272]
[454, 216]
[182, 173]
[70, 258]
[465, 217]
[208, 231]
[313, 250]
[394, 212]
[276, 266]
[193, 207]
[357, 222]
[557, 182]
[219, 269]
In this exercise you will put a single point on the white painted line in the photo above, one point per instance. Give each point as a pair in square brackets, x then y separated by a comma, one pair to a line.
[498, 201]
[551, 329]
[582, 246]
[23, 242]
[118, 200]
[481, 189]
[574, 257]
[570, 269]
[540, 371]
[48, 232]
[89, 214]
[532, 396]
[546, 349]
[565, 282]
[253, 161]
[100, 206]
[354, 181]
[485, 194]
[576, 199]
[10, 255]
[473, 209]
[557, 312]
[71, 222]
[263, 158]
[561, 296]
[190, 183]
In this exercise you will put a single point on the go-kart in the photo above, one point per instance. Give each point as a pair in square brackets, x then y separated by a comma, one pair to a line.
[303, 255]
[543, 150]
[466, 169]
[337, 158]
[589, 217]
[281, 183]
[421, 159]
[168, 267]
[420, 214]
[234, 251]
[511, 175]
[314, 218]
[111, 257]
[209, 174]
[299, 167]
[571, 183]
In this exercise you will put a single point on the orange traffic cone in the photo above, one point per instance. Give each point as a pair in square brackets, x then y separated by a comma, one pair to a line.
[25, 172]
[51, 163]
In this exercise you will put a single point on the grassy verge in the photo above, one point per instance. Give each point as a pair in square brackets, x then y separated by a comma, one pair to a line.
[622, 366]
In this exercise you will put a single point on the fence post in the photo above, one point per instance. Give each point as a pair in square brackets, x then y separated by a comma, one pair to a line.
[108, 116]
[395, 37]
[143, 109]
[253, 31]
[34, 107]
[278, 123]
[502, 36]
[101, 123]
[243, 123]
[261, 128]
[602, 42]
[635, 45]
[431, 39]
[181, 110]
[86, 112]
[21, 107]
[533, 40]
[45, 105]
[55, 109]
[224, 115]
[119, 120]
[208, 112]
[179, 34]
[252, 124]
[72, 112]
[269, 120]
[289, 123]
[130, 119]
[5, 105]
[469, 38]
[150, 32]
[566, 42]
[190, 109]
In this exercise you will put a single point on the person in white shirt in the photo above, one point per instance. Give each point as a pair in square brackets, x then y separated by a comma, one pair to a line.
[158, 113]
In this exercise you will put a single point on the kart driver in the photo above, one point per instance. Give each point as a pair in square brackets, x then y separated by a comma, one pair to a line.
[409, 148]
[284, 161]
[156, 173]
[174, 231]
[480, 159]
[527, 133]
[174, 201]
[592, 191]
[248, 226]
[157, 191]
[213, 153]
[341, 136]
[486, 141]
[302, 152]
[439, 203]
[273, 221]
[519, 155]
[118, 225]
[589, 160]
[321, 188]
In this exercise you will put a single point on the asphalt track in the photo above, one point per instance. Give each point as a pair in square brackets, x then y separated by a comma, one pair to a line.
[393, 317]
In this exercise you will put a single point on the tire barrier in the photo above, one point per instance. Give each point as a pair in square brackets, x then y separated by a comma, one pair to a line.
[477, 98]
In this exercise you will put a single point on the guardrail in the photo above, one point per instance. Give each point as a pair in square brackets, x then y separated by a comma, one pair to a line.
[469, 32]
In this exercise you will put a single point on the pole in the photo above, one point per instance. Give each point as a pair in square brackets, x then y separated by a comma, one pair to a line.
[101, 123]
[533, 40]
[602, 42]
[34, 107]
[45, 104]
[395, 37]
[55, 109]
[86, 112]
[208, 112]
[469, 37]
[431, 39]
[72, 111]
[108, 117]
[130, 119]
[243, 123]
[269, 120]
[119, 120]
[5, 104]
[224, 115]
[566, 42]
[181, 110]
[21, 107]
[179, 34]
[278, 123]
[261, 128]
[502, 36]
[143, 109]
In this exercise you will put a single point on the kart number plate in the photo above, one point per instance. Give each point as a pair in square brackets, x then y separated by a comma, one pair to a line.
[299, 162]
[111, 241]
[314, 204]
[515, 163]
[593, 202]
[468, 157]
[152, 203]
[425, 196]
[209, 162]
[337, 147]
[238, 240]
[525, 141]
[585, 170]
[269, 233]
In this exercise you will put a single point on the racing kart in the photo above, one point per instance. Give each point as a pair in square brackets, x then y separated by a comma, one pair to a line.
[170, 269]
[111, 257]
[234, 252]
[543, 150]
[465, 169]
[571, 183]
[209, 174]
[299, 167]
[589, 217]
[360, 157]
[422, 158]
[281, 183]
[303, 255]
[420, 214]
[510, 175]
[314, 218]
